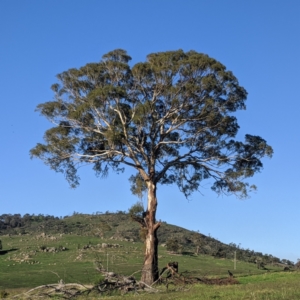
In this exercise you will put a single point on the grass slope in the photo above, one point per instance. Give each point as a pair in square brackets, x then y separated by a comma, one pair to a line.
[24, 264]
[120, 226]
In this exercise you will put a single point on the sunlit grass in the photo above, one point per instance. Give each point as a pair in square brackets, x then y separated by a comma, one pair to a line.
[26, 267]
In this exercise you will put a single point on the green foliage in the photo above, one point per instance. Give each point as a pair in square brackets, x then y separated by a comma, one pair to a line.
[136, 210]
[138, 185]
[137, 213]
[172, 245]
[170, 118]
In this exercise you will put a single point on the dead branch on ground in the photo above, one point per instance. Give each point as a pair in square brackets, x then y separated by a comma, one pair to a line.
[113, 282]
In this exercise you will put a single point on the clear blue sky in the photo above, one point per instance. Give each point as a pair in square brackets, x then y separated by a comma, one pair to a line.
[258, 40]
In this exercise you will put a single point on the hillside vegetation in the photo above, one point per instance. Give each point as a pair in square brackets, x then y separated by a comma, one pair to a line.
[42, 250]
[119, 226]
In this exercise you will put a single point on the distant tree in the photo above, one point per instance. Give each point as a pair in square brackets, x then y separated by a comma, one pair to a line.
[287, 262]
[137, 213]
[136, 210]
[172, 244]
[198, 242]
[169, 118]
[297, 265]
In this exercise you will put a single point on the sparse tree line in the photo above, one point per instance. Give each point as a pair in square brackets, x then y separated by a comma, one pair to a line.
[31, 223]
[11, 221]
[201, 244]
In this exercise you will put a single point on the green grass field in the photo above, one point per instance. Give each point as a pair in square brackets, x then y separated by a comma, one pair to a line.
[23, 266]
[265, 286]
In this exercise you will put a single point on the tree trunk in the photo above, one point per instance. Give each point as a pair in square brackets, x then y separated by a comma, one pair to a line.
[150, 271]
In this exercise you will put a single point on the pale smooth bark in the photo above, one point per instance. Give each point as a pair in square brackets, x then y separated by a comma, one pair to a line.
[150, 268]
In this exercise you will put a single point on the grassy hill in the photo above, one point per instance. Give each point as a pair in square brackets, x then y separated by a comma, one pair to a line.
[44, 249]
[120, 227]
[25, 263]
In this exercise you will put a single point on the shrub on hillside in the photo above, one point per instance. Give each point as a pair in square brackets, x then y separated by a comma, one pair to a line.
[172, 245]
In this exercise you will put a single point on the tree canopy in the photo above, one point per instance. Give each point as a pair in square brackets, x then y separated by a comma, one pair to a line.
[170, 118]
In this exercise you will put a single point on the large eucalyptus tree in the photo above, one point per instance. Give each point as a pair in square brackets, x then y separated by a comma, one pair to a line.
[170, 119]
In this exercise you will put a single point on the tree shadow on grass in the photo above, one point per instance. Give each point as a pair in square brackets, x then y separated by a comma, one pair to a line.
[189, 253]
[3, 252]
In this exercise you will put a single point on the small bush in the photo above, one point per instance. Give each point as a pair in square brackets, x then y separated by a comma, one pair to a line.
[172, 245]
